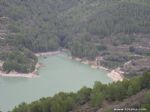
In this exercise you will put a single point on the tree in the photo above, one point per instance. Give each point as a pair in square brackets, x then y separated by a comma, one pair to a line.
[20, 61]
[130, 90]
[83, 95]
[131, 49]
[146, 80]
[97, 99]
[146, 103]
[23, 107]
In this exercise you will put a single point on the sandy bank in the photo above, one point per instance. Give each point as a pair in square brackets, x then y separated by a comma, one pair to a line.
[93, 64]
[115, 75]
[33, 74]
[15, 74]
[47, 53]
[25, 75]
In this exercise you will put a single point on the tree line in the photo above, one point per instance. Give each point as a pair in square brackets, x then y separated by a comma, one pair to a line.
[116, 91]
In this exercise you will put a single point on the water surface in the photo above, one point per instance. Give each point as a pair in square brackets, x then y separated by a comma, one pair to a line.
[59, 74]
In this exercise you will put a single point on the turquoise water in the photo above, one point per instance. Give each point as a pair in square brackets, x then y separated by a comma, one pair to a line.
[59, 74]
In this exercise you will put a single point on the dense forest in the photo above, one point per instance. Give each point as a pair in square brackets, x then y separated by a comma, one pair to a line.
[88, 28]
[117, 91]
[21, 61]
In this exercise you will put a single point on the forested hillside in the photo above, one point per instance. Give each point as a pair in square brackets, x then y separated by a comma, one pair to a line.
[96, 99]
[117, 30]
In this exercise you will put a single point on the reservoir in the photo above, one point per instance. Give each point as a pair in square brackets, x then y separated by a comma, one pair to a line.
[58, 74]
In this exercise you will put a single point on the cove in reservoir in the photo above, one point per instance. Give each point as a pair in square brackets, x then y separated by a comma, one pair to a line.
[58, 74]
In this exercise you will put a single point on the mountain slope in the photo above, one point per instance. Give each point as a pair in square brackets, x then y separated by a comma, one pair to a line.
[112, 29]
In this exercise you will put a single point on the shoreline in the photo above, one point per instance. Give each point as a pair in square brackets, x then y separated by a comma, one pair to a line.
[47, 53]
[16, 74]
[115, 74]
[33, 74]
